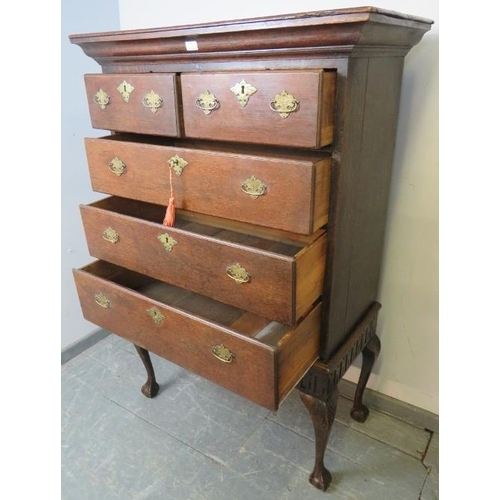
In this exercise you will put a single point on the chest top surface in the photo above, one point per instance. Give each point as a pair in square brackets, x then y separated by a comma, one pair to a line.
[363, 30]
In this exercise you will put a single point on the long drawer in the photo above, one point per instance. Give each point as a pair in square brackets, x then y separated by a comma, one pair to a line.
[141, 103]
[279, 190]
[273, 278]
[254, 357]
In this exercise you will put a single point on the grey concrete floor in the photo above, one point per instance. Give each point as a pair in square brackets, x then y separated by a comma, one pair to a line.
[196, 441]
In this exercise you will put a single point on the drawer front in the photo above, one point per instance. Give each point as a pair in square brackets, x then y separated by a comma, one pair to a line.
[259, 281]
[260, 372]
[290, 194]
[141, 103]
[290, 108]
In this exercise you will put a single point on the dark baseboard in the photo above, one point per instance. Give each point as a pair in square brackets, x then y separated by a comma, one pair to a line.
[394, 407]
[82, 345]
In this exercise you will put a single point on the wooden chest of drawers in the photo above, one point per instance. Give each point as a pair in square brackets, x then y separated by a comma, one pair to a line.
[275, 138]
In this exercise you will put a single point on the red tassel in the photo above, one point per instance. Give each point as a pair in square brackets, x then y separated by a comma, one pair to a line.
[169, 219]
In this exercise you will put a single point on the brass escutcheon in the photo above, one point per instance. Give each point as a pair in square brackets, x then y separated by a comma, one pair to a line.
[117, 166]
[284, 104]
[110, 235]
[222, 353]
[101, 98]
[125, 90]
[152, 101]
[177, 164]
[238, 274]
[156, 315]
[101, 299]
[243, 91]
[167, 241]
[254, 187]
[207, 102]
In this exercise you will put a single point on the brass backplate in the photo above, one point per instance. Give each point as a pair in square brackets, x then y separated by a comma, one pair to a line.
[222, 353]
[254, 187]
[101, 299]
[125, 90]
[101, 98]
[152, 101]
[238, 274]
[117, 166]
[110, 235]
[177, 164]
[243, 91]
[156, 315]
[284, 104]
[167, 241]
[207, 102]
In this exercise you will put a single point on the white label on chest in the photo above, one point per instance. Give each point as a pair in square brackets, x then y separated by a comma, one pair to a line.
[191, 45]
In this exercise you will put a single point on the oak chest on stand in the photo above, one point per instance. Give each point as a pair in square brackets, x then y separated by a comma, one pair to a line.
[272, 141]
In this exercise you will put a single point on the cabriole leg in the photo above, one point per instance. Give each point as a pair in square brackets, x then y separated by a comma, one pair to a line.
[322, 415]
[359, 411]
[150, 388]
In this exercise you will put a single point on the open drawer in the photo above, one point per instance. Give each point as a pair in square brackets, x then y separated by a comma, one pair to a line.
[272, 276]
[259, 359]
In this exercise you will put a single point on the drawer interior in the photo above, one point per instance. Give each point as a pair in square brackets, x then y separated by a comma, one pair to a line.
[239, 321]
[275, 241]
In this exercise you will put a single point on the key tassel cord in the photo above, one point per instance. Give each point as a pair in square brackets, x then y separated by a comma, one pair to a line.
[169, 219]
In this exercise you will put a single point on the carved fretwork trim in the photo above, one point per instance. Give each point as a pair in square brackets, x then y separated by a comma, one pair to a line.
[320, 380]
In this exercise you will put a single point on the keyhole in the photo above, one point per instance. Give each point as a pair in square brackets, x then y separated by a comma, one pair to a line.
[243, 89]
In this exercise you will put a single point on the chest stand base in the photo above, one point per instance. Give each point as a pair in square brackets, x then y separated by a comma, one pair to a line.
[319, 388]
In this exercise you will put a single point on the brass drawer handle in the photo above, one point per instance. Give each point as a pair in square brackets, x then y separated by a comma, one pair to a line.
[101, 300]
[222, 353]
[101, 98]
[156, 315]
[167, 241]
[207, 102]
[254, 187]
[125, 90]
[284, 104]
[238, 274]
[110, 235]
[117, 166]
[152, 101]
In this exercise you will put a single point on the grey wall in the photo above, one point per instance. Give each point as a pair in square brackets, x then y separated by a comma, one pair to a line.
[77, 17]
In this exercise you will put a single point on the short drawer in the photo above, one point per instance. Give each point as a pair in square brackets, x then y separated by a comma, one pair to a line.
[140, 103]
[289, 108]
[258, 359]
[275, 279]
[278, 190]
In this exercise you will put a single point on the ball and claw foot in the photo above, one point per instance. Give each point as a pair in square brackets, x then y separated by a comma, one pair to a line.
[150, 390]
[360, 413]
[371, 351]
[321, 478]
